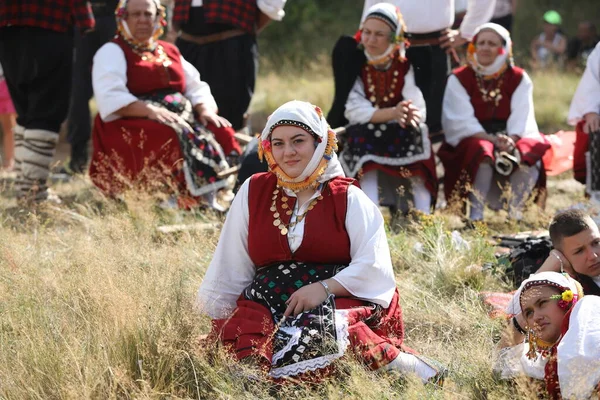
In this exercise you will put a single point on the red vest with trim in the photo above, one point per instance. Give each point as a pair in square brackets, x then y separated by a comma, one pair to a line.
[325, 238]
[489, 111]
[380, 92]
[147, 77]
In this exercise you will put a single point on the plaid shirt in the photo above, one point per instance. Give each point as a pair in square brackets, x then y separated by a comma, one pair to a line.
[55, 15]
[242, 14]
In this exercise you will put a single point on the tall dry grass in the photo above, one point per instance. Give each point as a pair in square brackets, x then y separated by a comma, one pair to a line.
[96, 303]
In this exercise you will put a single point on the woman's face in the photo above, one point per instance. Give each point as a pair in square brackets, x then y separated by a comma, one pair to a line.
[375, 36]
[487, 47]
[292, 149]
[141, 17]
[542, 313]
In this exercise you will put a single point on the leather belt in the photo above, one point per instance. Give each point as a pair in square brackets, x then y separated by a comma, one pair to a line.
[215, 37]
[426, 39]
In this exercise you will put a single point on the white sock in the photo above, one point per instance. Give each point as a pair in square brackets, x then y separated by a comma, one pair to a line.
[407, 363]
[522, 182]
[481, 188]
[421, 196]
[35, 155]
[369, 185]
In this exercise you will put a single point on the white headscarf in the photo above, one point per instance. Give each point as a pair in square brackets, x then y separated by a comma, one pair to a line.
[502, 60]
[547, 278]
[324, 164]
[390, 14]
[125, 32]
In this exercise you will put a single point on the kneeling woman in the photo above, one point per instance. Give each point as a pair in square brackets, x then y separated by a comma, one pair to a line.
[491, 137]
[302, 272]
[387, 143]
[563, 335]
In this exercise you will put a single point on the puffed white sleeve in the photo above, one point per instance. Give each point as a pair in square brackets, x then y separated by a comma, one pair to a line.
[411, 91]
[458, 115]
[359, 109]
[578, 352]
[272, 8]
[478, 13]
[109, 80]
[370, 275]
[196, 90]
[231, 268]
[587, 96]
[521, 121]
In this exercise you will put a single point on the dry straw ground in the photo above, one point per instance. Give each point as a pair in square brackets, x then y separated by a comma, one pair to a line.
[96, 303]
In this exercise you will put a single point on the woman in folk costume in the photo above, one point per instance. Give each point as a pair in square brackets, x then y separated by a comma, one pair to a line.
[585, 114]
[491, 137]
[302, 271]
[157, 122]
[388, 143]
[563, 334]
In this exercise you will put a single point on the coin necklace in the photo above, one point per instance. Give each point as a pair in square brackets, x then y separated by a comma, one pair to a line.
[373, 98]
[285, 228]
[489, 95]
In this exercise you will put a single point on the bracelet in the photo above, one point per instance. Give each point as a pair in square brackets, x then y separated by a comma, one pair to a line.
[326, 286]
[518, 327]
[560, 260]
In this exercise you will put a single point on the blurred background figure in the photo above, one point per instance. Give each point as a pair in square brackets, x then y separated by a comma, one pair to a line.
[79, 120]
[8, 120]
[504, 13]
[548, 48]
[582, 45]
[36, 52]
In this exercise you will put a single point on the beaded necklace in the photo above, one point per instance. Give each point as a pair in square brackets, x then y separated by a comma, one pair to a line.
[285, 228]
[376, 97]
[492, 93]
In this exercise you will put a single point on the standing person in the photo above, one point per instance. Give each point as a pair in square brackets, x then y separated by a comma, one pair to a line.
[79, 125]
[8, 120]
[36, 52]
[279, 294]
[428, 25]
[585, 114]
[504, 13]
[491, 136]
[219, 38]
[387, 144]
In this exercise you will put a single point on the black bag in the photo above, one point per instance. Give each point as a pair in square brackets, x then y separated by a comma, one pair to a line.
[526, 258]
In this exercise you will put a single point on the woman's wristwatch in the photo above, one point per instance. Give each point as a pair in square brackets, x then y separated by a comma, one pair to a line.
[326, 286]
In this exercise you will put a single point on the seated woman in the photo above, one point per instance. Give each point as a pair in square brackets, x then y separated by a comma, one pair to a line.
[491, 137]
[154, 112]
[585, 114]
[302, 272]
[387, 142]
[563, 338]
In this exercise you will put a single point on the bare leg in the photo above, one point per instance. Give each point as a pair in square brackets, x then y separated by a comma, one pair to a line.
[8, 122]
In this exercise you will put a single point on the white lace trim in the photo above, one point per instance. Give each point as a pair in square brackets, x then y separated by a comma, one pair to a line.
[204, 189]
[388, 160]
[341, 328]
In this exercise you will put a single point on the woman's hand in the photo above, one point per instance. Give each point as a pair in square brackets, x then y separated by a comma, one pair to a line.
[407, 114]
[504, 143]
[592, 123]
[165, 116]
[304, 299]
[206, 116]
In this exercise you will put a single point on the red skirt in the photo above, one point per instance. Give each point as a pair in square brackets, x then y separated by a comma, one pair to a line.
[375, 339]
[461, 163]
[582, 146]
[423, 169]
[143, 153]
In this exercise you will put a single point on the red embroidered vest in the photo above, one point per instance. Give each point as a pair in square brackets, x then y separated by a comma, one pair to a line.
[384, 88]
[325, 238]
[147, 77]
[485, 112]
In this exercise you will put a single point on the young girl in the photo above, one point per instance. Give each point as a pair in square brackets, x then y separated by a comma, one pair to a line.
[563, 331]
[8, 120]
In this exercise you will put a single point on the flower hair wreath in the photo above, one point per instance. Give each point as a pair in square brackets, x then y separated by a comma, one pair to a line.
[565, 299]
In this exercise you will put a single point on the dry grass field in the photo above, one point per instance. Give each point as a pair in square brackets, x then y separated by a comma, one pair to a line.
[96, 302]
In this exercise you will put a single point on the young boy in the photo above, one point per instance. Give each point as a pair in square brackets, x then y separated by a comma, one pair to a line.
[576, 241]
